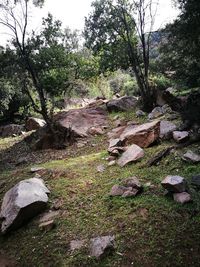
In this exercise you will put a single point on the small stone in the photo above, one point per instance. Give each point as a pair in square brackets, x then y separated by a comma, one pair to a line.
[180, 137]
[132, 154]
[175, 184]
[49, 216]
[140, 113]
[101, 168]
[96, 131]
[47, 226]
[37, 169]
[112, 163]
[114, 142]
[118, 190]
[196, 180]
[131, 193]
[120, 122]
[191, 157]
[101, 246]
[111, 158]
[182, 198]
[132, 182]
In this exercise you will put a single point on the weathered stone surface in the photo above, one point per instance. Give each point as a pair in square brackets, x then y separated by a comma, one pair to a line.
[118, 190]
[131, 193]
[175, 184]
[95, 131]
[34, 124]
[101, 168]
[139, 113]
[22, 202]
[132, 182]
[196, 180]
[11, 130]
[114, 142]
[49, 216]
[80, 121]
[37, 169]
[143, 135]
[124, 103]
[182, 198]
[132, 154]
[112, 163]
[191, 157]
[47, 226]
[155, 113]
[180, 137]
[120, 122]
[166, 129]
[101, 246]
[116, 132]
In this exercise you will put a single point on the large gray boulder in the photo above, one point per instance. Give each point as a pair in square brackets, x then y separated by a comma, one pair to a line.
[175, 184]
[181, 136]
[132, 154]
[124, 103]
[22, 202]
[166, 129]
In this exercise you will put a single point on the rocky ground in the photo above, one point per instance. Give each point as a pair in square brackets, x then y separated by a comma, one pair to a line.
[83, 220]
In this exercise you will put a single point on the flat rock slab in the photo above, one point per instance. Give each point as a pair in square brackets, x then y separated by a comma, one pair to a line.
[175, 184]
[180, 136]
[191, 157]
[22, 202]
[132, 154]
[143, 135]
[124, 103]
[101, 246]
[166, 129]
[182, 198]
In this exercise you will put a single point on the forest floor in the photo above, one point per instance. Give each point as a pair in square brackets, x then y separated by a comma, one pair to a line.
[150, 229]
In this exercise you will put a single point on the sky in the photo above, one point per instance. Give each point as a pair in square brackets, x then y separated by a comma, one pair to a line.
[72, 13]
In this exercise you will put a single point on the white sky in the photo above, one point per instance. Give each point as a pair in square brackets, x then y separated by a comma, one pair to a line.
[72, 13]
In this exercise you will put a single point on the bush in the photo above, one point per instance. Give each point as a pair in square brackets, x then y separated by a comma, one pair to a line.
[160, 82]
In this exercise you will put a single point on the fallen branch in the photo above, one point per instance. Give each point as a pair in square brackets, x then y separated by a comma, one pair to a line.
[159, 156]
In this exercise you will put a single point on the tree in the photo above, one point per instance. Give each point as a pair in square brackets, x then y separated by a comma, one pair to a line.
[180, 52]
[122, 30]
[44, 58]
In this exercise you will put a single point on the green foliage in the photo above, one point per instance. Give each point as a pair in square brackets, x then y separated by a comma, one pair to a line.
[160, 82]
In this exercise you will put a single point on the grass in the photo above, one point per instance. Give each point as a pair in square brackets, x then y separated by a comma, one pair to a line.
[150, 230]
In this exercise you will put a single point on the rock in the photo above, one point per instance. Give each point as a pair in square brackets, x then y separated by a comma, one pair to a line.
[155, 113]
[143, 135]
[80, 121]
[182, 198]
[11, 130]
[22, 202]
[175, 184]
[37, 169]
[132, 182]
[120, 122]
[112, 163]
[116, 132]
[21, 161]
[49, 216]
[115, 142]
[139, 113]
[131, 193]
[101, 246]
[77, 244]
[132, 154]
[111, 158]
[34, 124]
[180, 137]
[124, 103]
[101, 168]
[118, 190]
[191, 157]
[96, 131]
[196, 180]
[166, 129]
[47, 226]
[166, 109]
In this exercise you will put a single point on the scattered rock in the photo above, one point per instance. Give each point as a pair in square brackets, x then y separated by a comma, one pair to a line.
[77, 244]
[132, 192]
[101, 168]
[120, 122]
[22, 202]
[166, 129]
[114, 142]
[96, 131]
[111, 158]
[191, 157]
[132, 154]
[34, 124]
[140, 113]
[22, 161]
[175, 184]
[37, 169]
[49, 216]
[182, 198]
[118, 190]
[155, 113]
[143, 135]
[11, 130]
[196, 180]
[132, 182]
[112, 163]
[116, 132]
[57, 204]
[124, 103]
[180, 137]
[101, 246]
[47, 226]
